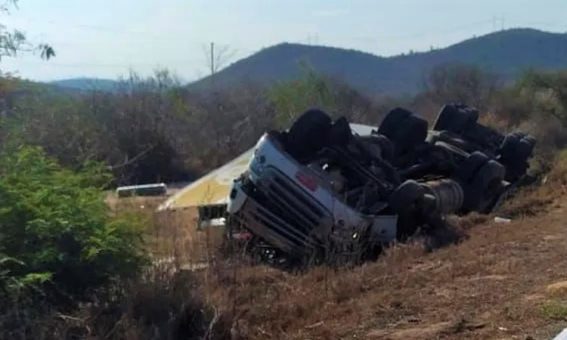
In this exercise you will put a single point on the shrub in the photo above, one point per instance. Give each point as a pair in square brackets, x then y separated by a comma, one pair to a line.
[292, 98]
[55, 228]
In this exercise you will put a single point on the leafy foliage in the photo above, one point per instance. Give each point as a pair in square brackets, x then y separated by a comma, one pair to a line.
[549, 93]
[14, 41]
[294, 97]
[55, 226]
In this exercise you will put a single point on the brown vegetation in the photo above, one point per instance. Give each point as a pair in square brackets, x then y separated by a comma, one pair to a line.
[493, 284]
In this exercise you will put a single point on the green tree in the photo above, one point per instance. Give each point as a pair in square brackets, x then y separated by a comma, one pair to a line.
[55, 226]
[291, 98]
[548, 92]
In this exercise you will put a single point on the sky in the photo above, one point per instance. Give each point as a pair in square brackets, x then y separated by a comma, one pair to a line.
[108, 38]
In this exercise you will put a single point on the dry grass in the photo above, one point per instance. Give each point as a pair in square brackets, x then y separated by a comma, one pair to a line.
[493, 285]
[171, 235]
[493, 280]
[175, 235]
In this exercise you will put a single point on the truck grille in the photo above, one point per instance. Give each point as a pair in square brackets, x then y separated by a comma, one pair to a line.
[286, 210]
[293, 204]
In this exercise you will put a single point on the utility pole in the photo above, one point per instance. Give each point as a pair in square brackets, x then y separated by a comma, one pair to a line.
[212, 64]
[212, 58]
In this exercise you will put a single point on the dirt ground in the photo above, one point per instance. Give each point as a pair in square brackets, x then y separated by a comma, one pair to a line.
[506, 281]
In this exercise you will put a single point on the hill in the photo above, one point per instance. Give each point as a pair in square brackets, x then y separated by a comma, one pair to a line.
[506, 53]
[84, 84]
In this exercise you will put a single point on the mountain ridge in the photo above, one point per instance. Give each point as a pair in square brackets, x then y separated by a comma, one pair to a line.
[85, 84]
[506, 53]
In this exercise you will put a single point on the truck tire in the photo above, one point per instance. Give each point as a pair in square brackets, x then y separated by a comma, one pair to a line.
[405, 202]
[308, 134]
[466, 171]
[455, 118]
[517, 146]
[392, 122]
[406, 196]
[340, 133]
[515, 169]
[404, 129]
[515, 151]
[485, 187]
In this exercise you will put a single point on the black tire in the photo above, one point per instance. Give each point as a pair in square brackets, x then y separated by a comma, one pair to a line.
[483, 191]
[515, 151]
[404, 129]
[392, 122]
[517, 146]
[308, 134]
[405, 201]
[340, 133]
[515, 170]
[455, 118]
[467, 170]
[406, 196]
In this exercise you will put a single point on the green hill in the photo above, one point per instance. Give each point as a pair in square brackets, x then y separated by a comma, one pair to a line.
[506, 53]
[86, 84]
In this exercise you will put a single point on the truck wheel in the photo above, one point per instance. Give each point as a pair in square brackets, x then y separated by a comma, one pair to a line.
[515, 170]
[405, 202]
[485, 187]
[405, 197]
[517, 146]
[340, 133]
[404, 129]
[515, 151]
[466, 171]
[393, 121]
[455, 118]
[308, 133]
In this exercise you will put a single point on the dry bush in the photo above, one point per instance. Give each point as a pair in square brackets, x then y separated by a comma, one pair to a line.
[495, 121]
[163, 304]
[404, 284]
[541, 196]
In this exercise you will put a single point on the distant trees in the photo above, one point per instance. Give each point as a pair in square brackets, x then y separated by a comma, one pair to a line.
[153, 129]
[461, 83]
[549, 93]
[149, 129]
[294, 97]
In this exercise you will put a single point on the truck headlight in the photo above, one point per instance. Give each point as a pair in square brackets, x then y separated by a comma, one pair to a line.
[258, 165]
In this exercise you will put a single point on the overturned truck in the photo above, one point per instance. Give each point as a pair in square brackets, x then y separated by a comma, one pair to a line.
[340, 192]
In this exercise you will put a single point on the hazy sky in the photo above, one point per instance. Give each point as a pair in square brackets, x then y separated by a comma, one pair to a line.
[106, 38]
